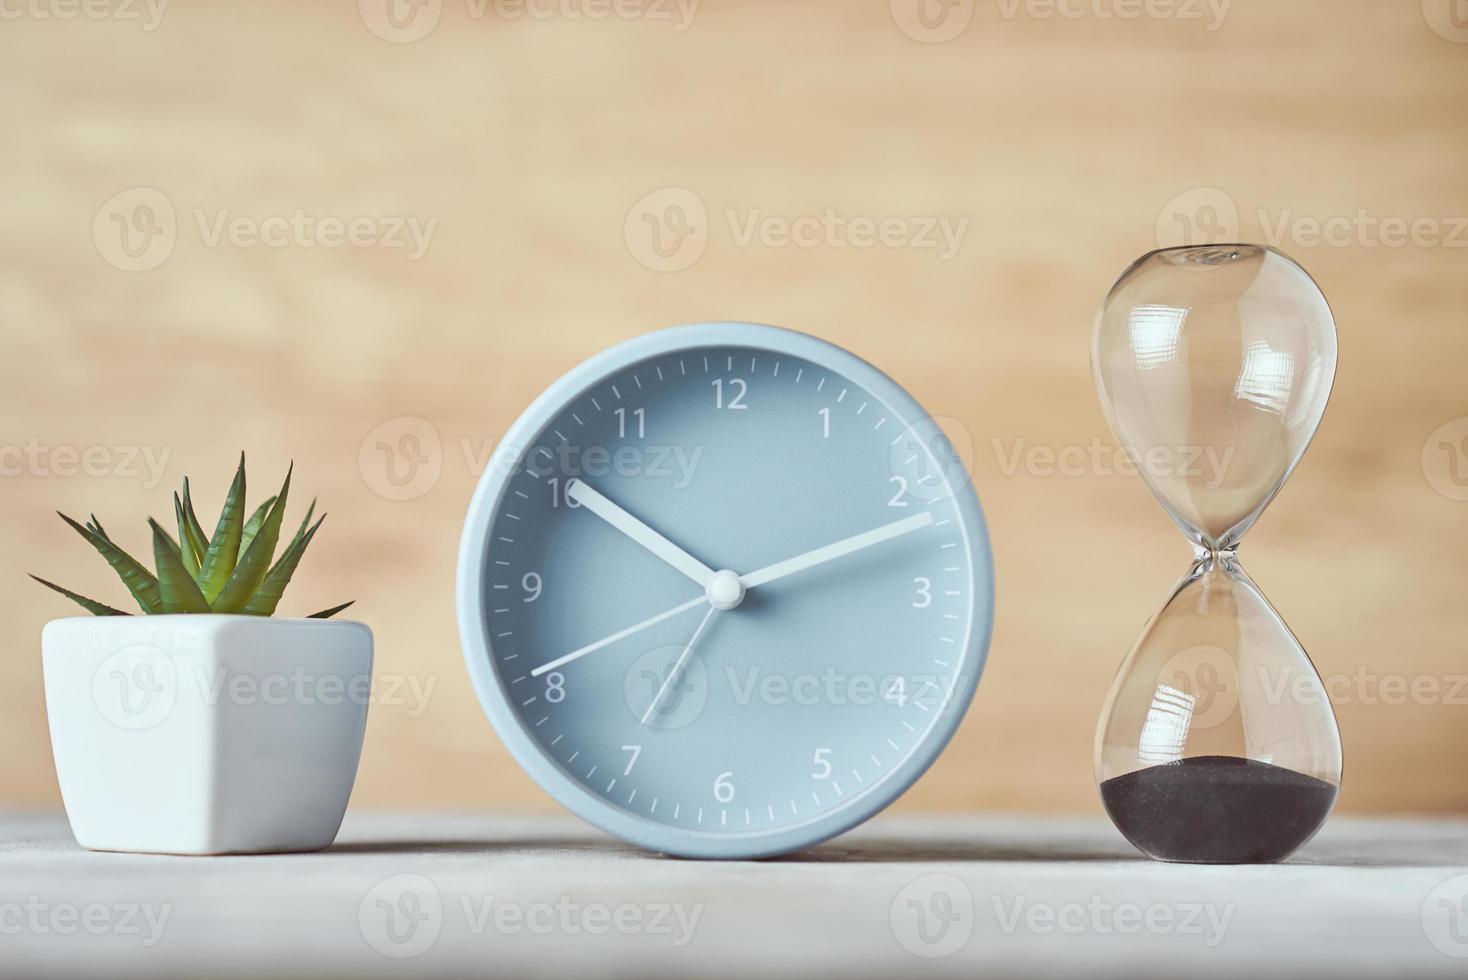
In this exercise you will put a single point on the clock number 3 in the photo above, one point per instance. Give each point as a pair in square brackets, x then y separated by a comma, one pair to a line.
[738, 388]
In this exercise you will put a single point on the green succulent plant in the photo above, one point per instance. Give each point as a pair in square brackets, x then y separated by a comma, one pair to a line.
[235, 571]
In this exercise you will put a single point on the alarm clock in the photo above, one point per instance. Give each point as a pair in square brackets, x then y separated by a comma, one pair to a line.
[725, 590]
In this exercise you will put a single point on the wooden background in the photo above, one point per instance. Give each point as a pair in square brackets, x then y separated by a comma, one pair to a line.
[1065, 142]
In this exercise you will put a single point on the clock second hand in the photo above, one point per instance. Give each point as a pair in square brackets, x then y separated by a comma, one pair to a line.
[764, 576]
[678, 666]
[622, 635]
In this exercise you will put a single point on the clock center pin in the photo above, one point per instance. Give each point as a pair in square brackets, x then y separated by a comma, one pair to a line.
[725, 591]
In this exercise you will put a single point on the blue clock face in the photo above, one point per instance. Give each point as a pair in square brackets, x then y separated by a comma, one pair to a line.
[728, 591]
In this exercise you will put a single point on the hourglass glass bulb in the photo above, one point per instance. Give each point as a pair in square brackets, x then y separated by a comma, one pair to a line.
[1217, 742]
[1214, 365]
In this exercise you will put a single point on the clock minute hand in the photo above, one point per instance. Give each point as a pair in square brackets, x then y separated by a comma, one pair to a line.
[582, 493]
[839, 549]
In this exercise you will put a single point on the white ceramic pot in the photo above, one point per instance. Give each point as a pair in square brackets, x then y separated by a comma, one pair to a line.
[203, 734]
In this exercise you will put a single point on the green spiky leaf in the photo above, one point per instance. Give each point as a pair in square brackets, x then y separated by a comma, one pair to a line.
[328, 613]
[267, 596]
[179, 591]
[90, 605]
[186, 545]
[197, 537]
[250, 571]
[252, 526]
[96, 525]
[139, 581]
[224, 546]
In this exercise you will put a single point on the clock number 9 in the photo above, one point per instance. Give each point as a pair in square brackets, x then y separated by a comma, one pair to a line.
[532, 585]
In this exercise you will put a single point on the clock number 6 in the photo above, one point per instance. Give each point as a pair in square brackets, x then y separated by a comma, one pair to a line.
[723, 788]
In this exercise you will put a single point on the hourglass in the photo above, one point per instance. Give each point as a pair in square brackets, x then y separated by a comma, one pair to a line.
[1217, 743]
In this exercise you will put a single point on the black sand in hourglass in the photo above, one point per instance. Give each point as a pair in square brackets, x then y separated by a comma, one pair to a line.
[1218, 809]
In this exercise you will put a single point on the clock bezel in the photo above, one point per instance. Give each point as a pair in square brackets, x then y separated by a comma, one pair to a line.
[477, 640]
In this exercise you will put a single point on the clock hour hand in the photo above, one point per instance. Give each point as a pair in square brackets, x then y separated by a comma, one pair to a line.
[840, 549]
[581, 493]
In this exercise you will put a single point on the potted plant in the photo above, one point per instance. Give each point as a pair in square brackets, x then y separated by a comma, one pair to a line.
[206, 725]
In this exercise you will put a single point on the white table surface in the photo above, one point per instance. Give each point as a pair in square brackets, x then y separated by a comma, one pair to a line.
[482, 895]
